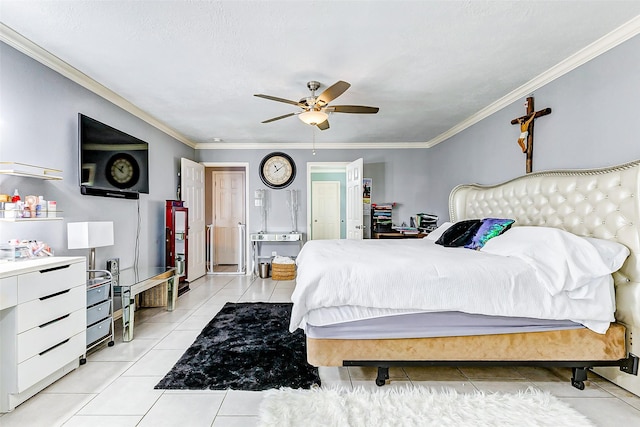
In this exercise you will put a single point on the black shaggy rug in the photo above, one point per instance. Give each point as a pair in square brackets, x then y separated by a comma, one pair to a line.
[246, 346]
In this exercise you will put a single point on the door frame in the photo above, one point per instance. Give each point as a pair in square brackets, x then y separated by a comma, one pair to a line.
[245, 166]
[316, 167]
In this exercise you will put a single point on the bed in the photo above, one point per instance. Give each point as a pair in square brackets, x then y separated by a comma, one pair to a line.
[600, 204]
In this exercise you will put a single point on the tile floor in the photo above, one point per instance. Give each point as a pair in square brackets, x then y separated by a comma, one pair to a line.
[115, 387]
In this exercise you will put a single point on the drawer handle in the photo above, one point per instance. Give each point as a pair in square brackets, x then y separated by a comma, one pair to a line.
[54, 295]
[51, 348]
[46, 270]
[54, 320]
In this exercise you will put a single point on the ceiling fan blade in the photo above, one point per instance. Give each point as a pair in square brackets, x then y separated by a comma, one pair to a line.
[274, 98]
[324, 125]
[332, 92]
[279, 117]
[355, 109]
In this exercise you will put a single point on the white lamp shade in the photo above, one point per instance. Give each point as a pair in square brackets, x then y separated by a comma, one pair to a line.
[313, 117]
[83, 235]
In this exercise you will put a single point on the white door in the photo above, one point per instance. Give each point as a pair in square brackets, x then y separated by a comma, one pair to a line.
[228, 199]
[192, 191]
[354, 200]
[325, 207]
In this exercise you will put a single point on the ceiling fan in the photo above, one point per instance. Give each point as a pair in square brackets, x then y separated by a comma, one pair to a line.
[316, 108]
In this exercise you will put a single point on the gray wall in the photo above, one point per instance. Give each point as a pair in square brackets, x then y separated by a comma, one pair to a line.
[592, 124]
[39, 110]
[398, 175]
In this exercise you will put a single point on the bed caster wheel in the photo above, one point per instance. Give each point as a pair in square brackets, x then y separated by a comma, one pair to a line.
[83, 360]
[578, 384]
[111, 343]
[383, 376]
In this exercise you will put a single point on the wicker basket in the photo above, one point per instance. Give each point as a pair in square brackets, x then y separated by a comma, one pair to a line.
[154, 297]
[283, 271]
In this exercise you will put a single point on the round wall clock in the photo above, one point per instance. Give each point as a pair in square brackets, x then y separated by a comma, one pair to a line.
[123, 170]
[277, 170]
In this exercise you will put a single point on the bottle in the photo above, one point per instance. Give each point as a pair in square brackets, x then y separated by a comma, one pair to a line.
[39, 206]
[16, 196]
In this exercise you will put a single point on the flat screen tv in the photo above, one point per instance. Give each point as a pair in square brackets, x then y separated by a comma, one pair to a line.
[112, 163]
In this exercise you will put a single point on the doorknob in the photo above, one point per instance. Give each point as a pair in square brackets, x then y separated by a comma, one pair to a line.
[315, 220]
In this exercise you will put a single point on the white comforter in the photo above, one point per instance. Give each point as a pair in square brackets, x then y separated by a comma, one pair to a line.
[418, 275]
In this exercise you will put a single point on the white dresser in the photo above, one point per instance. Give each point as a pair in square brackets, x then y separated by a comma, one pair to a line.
[42, 324]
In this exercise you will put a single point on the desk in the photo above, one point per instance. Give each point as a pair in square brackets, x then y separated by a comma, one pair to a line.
[397, 235]
[258, 238]
[132, 281]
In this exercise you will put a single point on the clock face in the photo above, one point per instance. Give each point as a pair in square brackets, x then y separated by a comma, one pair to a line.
[277, 170]
[122, 170]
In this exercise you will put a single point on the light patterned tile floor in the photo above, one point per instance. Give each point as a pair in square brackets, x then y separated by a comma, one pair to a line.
[115, 387]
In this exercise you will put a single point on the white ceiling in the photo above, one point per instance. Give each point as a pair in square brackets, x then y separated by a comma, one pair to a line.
[429, 65]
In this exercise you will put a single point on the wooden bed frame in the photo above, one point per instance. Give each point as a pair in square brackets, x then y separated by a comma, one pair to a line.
[602, 203]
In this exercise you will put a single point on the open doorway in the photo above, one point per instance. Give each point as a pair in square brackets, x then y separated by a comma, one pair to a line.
[326, 200]
[226, 217]
[334, 200]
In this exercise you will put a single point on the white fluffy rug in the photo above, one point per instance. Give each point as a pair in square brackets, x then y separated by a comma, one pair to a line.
[416, 406]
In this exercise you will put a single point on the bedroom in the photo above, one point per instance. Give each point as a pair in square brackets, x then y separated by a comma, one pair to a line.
[594, 108]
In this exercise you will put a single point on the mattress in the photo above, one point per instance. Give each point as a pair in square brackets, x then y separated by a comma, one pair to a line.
[434, 324]
[418, 275]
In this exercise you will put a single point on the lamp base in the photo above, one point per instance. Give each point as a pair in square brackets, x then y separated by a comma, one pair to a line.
[92, 263]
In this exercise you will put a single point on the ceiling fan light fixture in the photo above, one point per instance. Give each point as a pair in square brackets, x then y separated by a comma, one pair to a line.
[313, 118]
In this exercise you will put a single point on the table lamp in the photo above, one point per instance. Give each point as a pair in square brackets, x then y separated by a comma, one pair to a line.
[90, 235]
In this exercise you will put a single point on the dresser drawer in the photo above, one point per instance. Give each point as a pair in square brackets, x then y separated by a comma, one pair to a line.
[37, 312]
[36, 340]
[45, 282]
[40, 366]
[8, 292]
[98, 312]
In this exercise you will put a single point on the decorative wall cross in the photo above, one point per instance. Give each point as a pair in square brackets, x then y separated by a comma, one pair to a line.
[526, 130]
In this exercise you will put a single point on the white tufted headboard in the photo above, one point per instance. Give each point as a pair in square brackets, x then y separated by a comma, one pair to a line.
[603, 203]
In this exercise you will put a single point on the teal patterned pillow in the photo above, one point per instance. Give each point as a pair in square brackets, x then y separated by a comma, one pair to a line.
[490, 228]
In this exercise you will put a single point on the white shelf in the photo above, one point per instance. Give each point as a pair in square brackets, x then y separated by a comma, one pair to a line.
[29, 171]
[57, 218]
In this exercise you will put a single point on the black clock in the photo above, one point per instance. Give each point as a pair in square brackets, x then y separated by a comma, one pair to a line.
[277, 170]
[122, 170]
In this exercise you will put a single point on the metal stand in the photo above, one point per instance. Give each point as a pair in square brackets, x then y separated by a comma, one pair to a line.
[95, 282]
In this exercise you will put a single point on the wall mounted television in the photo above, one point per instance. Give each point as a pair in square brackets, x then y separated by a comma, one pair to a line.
[112, 163]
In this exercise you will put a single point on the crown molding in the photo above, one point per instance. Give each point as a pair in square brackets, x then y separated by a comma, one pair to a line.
[600, 46]
[26, 46]
[609, 41]
[308, 145]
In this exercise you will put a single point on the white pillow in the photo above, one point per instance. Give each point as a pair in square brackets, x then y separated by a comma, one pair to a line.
[435, 234]
[613, 253]
[562, 260]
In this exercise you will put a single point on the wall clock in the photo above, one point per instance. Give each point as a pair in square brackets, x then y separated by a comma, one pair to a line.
[122, 170]
[277, 170]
